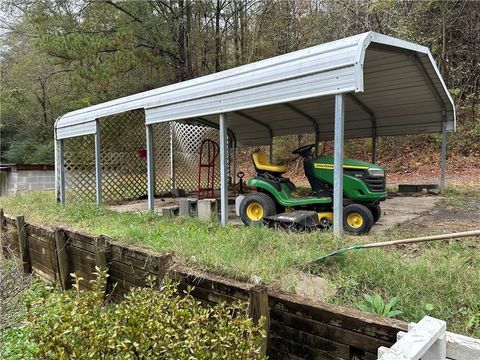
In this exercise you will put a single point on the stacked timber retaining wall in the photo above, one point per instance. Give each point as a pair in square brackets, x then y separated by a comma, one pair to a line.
[297, 328]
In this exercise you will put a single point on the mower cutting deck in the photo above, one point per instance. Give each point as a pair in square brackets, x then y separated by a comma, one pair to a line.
[364, 188]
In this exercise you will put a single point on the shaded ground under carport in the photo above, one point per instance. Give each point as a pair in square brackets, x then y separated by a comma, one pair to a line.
[395, 210]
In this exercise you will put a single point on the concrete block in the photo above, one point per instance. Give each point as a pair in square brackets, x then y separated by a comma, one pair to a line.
[21, 187]
[207, 208]
[170, 211]
[21, 180]
[36, 187]
[32, 180]
[187, 207]
[238, 201]
[406, 188]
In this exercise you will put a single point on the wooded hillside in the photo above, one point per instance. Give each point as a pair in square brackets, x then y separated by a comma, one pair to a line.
[60, 55]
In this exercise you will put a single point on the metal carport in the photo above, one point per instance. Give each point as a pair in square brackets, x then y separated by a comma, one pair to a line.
[367, 85]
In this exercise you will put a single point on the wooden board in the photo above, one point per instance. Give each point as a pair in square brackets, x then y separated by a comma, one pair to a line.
[316, 343]
[282, 348]
[327, 331]
[339, 316]
[80, 240]
[211, 282]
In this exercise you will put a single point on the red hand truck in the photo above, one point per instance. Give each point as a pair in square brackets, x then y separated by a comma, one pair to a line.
[209, 151]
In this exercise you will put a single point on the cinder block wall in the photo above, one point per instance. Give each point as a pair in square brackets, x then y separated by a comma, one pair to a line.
[20, 178]
[30, 180]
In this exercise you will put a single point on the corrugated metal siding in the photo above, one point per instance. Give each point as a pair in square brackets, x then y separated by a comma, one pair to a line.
[325, 83]
[76, 130]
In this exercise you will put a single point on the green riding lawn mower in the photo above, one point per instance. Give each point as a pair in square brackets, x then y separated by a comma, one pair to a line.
[276, 202]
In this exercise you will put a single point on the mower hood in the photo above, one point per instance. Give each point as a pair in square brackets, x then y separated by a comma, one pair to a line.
[326, 162]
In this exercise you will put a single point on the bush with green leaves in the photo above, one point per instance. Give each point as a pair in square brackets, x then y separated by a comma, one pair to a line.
[376, 305]
[148, 323]
[26, 151]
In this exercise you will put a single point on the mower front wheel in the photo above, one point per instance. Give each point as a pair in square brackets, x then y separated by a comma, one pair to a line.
[357, 219]
[376, 212]
[255, 206]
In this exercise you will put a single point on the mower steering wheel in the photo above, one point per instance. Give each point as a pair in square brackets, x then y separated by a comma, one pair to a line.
[303, 150]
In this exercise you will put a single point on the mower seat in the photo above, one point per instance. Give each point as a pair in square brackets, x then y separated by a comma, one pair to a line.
[262, 164]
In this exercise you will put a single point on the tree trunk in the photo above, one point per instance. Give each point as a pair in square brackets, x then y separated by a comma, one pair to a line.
[181, 40]
[218, 44]
[188, 44]
[243, 29]
[236, 38]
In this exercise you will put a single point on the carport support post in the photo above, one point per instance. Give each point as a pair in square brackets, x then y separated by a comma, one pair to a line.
[374, 146]
[223, 170]
[443, 161]
[150, 168]
[60, 171]
[338, 166]
[172, 156]
[98, 169]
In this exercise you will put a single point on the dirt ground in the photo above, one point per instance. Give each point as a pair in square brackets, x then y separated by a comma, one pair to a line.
[450, 215]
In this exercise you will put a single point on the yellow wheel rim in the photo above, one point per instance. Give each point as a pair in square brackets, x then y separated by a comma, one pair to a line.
[254, 211]
[355, 220]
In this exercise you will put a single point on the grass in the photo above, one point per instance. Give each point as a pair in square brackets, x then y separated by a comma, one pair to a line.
[438, 279]
[274, 256]
[460, 197]
[442, 281]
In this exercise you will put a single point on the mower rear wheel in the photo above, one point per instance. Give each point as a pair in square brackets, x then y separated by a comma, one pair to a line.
[255, 207]
[376, 212]
[357, 219]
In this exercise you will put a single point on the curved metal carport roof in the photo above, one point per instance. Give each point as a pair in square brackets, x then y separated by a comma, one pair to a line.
[370, 84]
[395, 89]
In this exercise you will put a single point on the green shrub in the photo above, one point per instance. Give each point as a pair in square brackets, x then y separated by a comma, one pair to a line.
[148, 323]
[30, 152]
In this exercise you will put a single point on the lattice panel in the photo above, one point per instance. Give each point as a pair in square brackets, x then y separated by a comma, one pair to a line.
[122, 154]
[161, 150]
[80, 168]
[123, 165]
[187, 140]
